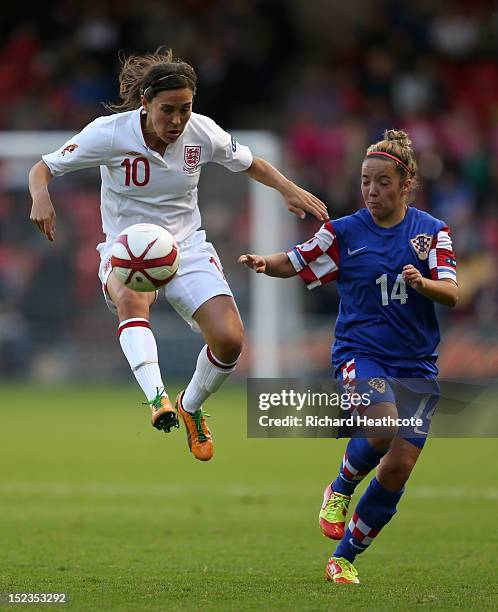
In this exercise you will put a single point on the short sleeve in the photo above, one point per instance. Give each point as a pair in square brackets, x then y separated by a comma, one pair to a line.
[90, 148]
[317, 260]
[442, 262]
[227, 151]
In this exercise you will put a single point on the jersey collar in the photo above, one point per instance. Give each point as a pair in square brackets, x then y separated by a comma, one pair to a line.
[386, 230]
[136, 123]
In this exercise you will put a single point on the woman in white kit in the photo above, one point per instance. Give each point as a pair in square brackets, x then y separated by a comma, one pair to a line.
[150, 154]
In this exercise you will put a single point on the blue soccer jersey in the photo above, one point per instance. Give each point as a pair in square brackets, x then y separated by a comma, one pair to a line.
[380, 316]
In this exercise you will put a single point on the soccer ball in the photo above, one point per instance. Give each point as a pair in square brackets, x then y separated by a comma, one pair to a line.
[145, 257]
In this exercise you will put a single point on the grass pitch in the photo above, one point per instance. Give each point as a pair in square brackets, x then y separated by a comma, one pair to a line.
[96, 503]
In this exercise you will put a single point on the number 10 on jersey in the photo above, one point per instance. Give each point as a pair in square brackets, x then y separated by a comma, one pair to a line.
[398, 291]
[138, 171]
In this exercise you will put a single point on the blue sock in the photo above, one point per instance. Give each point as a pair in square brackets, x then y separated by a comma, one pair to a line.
[375, 509]
[359, 459]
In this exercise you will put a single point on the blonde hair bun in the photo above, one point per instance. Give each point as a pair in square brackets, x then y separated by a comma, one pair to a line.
[399, 136]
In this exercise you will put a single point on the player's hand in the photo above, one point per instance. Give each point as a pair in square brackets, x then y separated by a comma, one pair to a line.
[413, 277]
[43, 216]
[255, 262]
[299, 201]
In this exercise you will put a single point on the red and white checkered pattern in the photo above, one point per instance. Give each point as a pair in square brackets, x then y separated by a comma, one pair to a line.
[317, 260]
[442, 262]
[361, 531]
[349, 472]
[348, 371]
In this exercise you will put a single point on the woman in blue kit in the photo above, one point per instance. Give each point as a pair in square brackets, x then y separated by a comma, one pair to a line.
[391, 263]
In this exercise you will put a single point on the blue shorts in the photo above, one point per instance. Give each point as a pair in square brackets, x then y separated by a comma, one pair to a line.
[414, 391]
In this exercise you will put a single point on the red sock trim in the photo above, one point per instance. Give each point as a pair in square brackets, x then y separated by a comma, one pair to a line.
[215, 362]
[126, 324]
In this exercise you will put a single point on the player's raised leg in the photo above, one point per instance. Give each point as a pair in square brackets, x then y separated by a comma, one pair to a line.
[221, 326]
[140, 349]
[377, 505]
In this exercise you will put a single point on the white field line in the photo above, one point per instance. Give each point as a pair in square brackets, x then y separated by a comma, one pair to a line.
[100, 489]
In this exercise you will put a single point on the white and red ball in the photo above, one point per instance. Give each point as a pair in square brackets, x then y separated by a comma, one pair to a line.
[145, 257]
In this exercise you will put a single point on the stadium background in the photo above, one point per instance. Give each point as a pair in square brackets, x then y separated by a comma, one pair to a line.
[326, 81]
[96, 503]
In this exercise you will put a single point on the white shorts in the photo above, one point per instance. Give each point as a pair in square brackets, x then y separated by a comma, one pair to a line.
[198, 279]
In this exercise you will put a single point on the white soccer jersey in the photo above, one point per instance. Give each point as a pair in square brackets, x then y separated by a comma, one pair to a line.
[138, 184]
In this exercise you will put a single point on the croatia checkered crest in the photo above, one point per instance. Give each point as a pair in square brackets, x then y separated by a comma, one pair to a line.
[145, 257]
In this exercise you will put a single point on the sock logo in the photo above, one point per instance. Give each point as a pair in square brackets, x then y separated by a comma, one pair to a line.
[351, 541]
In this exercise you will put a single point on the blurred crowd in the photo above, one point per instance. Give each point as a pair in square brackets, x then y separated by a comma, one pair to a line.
[328, 87]
[431, 69]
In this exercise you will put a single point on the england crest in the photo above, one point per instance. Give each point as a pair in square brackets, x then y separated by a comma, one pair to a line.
[422, 245]
[192, 157]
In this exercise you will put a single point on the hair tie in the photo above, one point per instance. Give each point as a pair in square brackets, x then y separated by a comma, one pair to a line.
[154, 83]
[393, 157]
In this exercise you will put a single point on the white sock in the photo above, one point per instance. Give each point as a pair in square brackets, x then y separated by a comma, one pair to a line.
[140, 349]
[210, 373]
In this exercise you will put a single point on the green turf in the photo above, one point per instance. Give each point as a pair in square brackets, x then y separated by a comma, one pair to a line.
[96, 503]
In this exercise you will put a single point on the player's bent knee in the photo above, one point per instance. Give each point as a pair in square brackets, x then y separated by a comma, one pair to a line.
[227, 345]
[380, 444]
[395, 469]
[384, 429]
[132, 304]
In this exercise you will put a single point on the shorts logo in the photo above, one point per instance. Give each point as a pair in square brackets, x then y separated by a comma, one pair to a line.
[379, 384]
[422, 244]
[107, 265]
[69, 149]
[192, 157]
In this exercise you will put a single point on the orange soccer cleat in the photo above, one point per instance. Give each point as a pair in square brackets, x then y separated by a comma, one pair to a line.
[199, 437]
[164, 416]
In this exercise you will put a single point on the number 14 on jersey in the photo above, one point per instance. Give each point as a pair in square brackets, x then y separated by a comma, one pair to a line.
[398, 291]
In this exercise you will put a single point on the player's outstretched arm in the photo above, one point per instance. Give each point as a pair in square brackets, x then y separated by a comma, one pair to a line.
[442, 291]
[42, 209]
[277, 264]
[297, 200]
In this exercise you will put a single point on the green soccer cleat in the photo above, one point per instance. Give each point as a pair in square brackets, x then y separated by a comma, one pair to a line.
[341, 571]
[333, 513]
